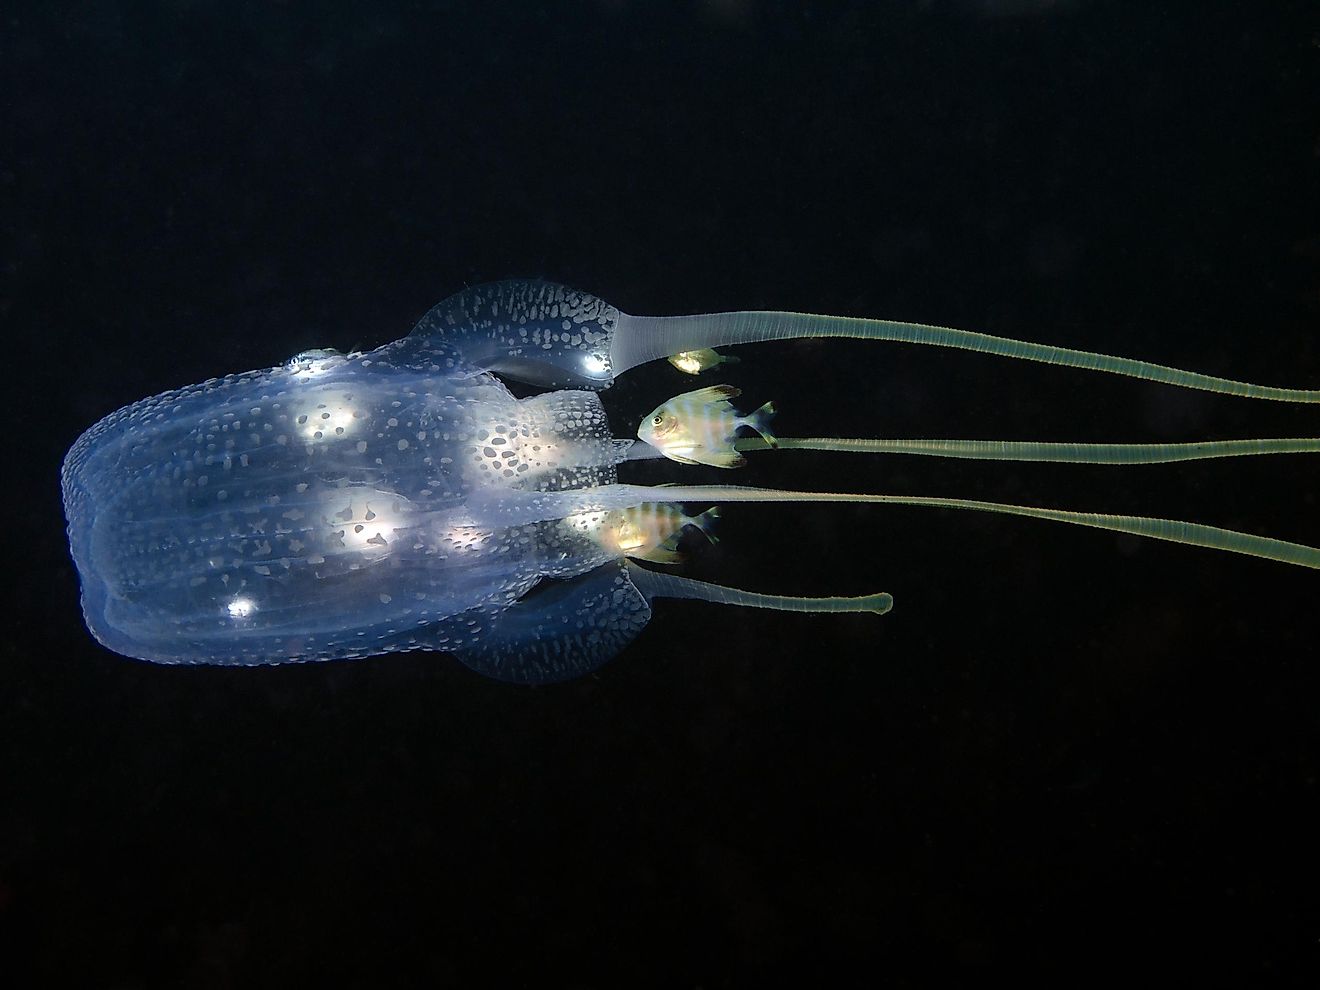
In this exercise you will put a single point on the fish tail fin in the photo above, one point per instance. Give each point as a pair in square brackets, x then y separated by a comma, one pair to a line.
[760, 422]
[706, 523]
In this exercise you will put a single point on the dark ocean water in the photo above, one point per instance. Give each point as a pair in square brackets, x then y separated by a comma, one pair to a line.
[1061, 749]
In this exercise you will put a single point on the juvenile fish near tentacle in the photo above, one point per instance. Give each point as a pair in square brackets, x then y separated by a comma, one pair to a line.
[651, 531]
[700, 427]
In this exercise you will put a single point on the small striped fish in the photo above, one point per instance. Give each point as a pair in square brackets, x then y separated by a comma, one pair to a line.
[650, 531]
[699, 427]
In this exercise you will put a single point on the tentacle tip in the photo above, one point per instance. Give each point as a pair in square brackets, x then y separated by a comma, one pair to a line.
[879, 604]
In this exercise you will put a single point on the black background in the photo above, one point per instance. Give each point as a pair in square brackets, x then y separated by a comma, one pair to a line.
[1062, 747]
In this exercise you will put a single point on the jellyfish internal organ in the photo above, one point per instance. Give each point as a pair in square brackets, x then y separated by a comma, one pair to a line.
[342, 506]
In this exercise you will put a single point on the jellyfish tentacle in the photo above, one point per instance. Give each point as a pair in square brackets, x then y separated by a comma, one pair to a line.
[528, 507]
[653, 585]
[548, 334]
[1014, 450]
[638, 339]
[1169, 530]
[1033, 450]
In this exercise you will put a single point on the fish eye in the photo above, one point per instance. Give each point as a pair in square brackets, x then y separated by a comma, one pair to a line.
[657, 420]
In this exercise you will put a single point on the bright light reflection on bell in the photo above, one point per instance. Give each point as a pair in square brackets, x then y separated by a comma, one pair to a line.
[365, 524]
[468, 538]
[372, 534]
[326, 421]
[241, 608]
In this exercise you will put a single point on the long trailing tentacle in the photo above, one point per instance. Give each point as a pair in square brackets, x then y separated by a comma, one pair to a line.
[1032, 450]
[1016, 450]
[653, 584]
[638, 339]
[524, 508]
[1170, 530]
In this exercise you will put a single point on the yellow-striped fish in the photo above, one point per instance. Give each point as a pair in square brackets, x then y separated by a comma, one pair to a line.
[703, 359]
[650, 531]
[699, 427]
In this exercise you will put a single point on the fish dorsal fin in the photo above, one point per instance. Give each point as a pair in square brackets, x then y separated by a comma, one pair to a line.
[711, 394]
[557, 631]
